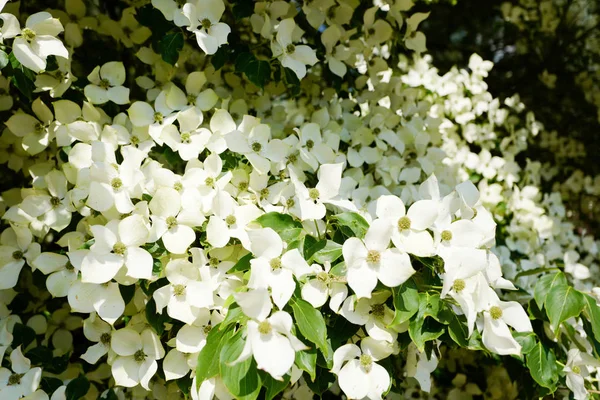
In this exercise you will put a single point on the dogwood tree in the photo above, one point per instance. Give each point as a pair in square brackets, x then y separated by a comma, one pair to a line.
[278, 199]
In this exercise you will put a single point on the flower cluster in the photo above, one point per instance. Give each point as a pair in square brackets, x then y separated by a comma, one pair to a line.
[239, 222]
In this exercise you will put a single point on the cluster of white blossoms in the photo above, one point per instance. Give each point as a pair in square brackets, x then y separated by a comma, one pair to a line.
[187, 232]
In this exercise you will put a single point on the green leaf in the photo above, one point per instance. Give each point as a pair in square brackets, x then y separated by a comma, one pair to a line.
[353, 221]
[273, 387]
[544, 284]
[209, 356]
[593, 312]
[526, 340]
[241, 379]
[562, 303]
[312, 246]
[259, 72]
[3, 59]
[458, 330]
[287, 227]
[331, 252]
[406, 301]
[169, 47]
[307, 361]
[22, 336]
[424, 330]
[311, 323]
[542, 366]
[234, 315]
[156, 320]
[243, 60]
[21, 77]
[220, 57]
[243, 9]
[77, 388]
[243, 264]
[49, 385]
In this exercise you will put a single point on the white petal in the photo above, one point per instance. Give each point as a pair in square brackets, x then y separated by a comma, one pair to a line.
[178, 239]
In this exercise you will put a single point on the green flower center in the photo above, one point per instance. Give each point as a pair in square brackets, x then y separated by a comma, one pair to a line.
[186, 138]
[191, 99]
[213, 262]
[256, 147]
[210, 181]
[314, 194]
[243, 186]
[178, 290]
[446, 236]
[310, 144]
[290, 48]
[18, 255]
[378, 310]
[158, 118]
[366, 361]
[403, 223]
[230, 220]
[14, 379]
[459, 286]
[178, 186]
[265, 327]
[104, 84]
[264, 193]
[116, 183]
[275, 263]
[38, 128]
[373, 257]
[323, 277]
[139, 356]
[576, 369]
[171, 222]
[28, 34]
[496, 312]
[206, 24]
[105, 338]
[290, 203]
[55, 201]
[119, 248]
[292, 158]
[207, 329]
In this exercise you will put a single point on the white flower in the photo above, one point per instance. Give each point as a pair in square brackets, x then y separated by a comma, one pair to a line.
[370, 259]
[358, 374]
[578, 367]
[106, 84]
[137, 355]
[36, 132]
[409, 229]
[206, 14]
[186, 294]
[22, 380]
[37, 41]
[373, 314]
[229, 221]
[420, 370]
[294, 57]
[97, 331]
[272, 344]
[272, 270]
[322, 286]
[15, 248]
[105, 299]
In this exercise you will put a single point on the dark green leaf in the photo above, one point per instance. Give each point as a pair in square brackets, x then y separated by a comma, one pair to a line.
[311, 323]
[49, 385]
[259, 72]
[458, 330]
[307, 361]
[242, 378]
[329, 253]
[169, 47]
[355, 222]
[562, 303]
[22, 336]
[542, 366]
[243, 264]
[544, 284]
[77, 388]
[593, 312]
[424, 330]
[312, 246]
[406, 302]
[243, 60]
[209, 356]
[220, 57]
[273, 386]
[3, 59]
[156, 320]
[526, 340]
[243, 9]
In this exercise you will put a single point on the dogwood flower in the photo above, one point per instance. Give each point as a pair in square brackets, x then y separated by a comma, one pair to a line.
[294, 57]
[370, 260]
[204, 17]
[359, 376]
[36, 132]
[22, 380]
[578, 367]
[272, 344]
[37, 41]
[136, 357]
[322, 286]
[106, 84]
